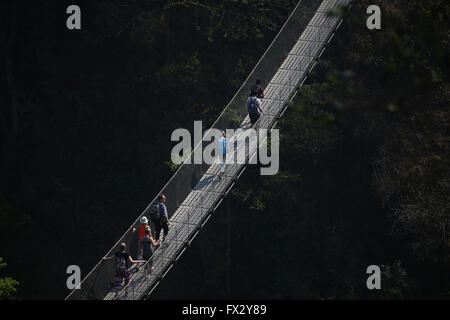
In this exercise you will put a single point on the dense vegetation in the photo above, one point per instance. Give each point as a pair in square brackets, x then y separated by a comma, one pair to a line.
[86, 118]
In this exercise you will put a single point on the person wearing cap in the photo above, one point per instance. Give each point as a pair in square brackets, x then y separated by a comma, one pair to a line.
[142, 227]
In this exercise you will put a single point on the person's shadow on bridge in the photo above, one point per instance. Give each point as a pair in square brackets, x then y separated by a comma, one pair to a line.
[203, 183]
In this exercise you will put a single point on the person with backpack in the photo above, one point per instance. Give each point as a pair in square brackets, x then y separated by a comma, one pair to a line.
[160, 218]
[144, 225]
[147, 249]
[258, 89]
[254, 107]
[123, 261]
[223, 151]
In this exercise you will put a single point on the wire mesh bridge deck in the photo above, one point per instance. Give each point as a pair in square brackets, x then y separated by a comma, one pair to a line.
[196, 190]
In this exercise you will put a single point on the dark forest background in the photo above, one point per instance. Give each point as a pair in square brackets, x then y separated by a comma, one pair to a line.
[86, 118]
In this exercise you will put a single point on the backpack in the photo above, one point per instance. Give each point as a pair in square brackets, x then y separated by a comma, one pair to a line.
[258, 90]
[253, 106]
[146, 246]
[121, 264]
[154, 213]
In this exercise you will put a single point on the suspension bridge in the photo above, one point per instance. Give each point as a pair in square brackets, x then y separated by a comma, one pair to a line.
[195, 190]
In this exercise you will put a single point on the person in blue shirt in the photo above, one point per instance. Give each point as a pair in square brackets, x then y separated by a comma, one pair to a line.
[222, 151]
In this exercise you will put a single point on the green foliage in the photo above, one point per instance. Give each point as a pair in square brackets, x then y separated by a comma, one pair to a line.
[411, 176]
[8, 285]
[395, 281]
[172, 166]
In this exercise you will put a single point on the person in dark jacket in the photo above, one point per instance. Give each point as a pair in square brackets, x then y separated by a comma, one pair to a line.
[254, 107]
[122, 269]
[163, 222]
[258, 90]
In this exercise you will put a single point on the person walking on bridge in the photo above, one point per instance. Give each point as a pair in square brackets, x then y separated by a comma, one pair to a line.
[144, 225]
[258, 89]
[122, 272]
[147, 250]
[160, 218]
[254, 107]
[222, 151]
